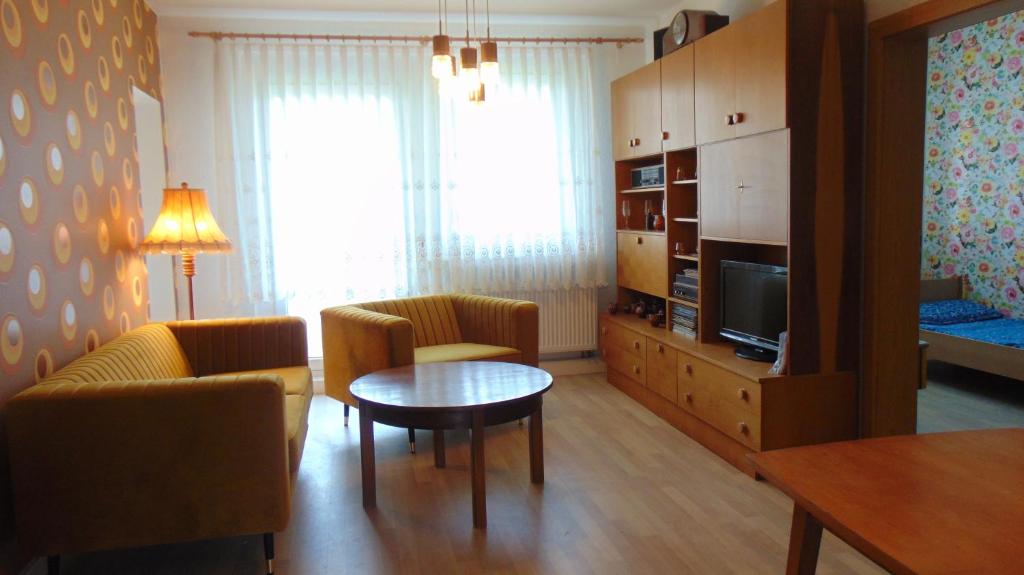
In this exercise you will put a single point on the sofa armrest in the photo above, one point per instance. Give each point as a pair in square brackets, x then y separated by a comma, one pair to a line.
[227, 345]
[126, 464]
[358, 342]
[498, 321]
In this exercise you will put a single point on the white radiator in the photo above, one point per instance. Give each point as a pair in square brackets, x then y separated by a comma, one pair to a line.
[568, 318]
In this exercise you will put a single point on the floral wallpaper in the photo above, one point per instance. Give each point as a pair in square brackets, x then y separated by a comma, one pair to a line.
[974, 172]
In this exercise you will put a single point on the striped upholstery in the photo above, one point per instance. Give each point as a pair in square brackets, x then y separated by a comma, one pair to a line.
[147, 353]
[215, 346]
[433, 318]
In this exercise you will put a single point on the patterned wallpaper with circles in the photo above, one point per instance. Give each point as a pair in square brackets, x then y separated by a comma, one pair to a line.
[70, 219]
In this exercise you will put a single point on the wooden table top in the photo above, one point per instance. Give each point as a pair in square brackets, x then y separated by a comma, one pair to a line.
[933, 503]
[451, 385]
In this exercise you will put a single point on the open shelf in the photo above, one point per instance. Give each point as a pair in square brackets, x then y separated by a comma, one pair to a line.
[643, 190]
[689, 258]
[684, 182]
[692, 304]
[642, 232]
[685, 220]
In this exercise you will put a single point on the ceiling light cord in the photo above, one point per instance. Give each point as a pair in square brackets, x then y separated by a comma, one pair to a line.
[488, 20]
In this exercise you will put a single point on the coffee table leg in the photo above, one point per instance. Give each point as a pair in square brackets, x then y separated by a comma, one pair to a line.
[439, 461]
[367, 457]
[477, 464]
[804, 543]
[537, 446]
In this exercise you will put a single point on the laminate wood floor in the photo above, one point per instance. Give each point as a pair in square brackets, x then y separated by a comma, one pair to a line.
[624, 493]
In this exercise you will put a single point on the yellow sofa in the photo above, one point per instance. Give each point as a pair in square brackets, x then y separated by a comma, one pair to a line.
[171, 432]
[363, 338]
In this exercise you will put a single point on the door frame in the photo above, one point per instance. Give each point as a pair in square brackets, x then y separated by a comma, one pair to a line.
[897, 66]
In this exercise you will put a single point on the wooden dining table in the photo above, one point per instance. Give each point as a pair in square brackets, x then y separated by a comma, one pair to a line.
[932, 503]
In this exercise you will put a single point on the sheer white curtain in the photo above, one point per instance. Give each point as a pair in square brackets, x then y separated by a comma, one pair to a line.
[353, 179]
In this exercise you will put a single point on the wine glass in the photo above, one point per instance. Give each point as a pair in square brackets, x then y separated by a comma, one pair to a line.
[626, 212]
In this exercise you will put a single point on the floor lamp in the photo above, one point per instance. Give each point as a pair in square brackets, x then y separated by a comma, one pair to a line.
[186, 227]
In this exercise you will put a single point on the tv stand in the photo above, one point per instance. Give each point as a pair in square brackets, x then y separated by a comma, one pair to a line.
[756, 353]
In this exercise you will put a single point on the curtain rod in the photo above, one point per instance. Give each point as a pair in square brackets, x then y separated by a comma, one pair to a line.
[216, 36]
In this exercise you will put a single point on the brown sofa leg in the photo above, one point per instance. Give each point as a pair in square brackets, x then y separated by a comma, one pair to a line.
[53, 565]
[268, 551]
[412, 440]
[346, 415]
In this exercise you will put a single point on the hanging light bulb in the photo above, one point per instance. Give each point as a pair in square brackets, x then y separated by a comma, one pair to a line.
[489, 55]
[441, 62]
[469, 73]
[478, 95]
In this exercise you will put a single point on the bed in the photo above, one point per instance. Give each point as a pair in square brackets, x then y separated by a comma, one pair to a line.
[962, 333]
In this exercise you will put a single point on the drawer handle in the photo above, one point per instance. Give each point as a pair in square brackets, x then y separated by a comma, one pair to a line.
[738, 117]
[730, 121]
[639, 240]
[688, 397]
[661, 348]
[636, 344]
[742, 393]
[638, 141]
[743, 428]
[664, 135]
[636, 369]
[631, 142]
[688, 369]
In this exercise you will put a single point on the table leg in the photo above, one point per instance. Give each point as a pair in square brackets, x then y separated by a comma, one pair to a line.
[536, 447]
[477, 465]
[439, 461]
[367, 457]
[804, 543]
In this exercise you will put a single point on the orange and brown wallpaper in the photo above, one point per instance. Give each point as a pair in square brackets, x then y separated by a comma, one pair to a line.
[70, 215]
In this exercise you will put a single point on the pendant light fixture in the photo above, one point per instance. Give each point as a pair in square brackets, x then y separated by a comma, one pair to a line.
[469, 74]
[489, 55]
[441, 62]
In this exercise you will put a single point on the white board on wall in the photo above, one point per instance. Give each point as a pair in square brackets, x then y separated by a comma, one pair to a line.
[152, 181]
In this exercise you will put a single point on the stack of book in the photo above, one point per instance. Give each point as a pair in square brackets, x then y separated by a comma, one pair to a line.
[684, 320]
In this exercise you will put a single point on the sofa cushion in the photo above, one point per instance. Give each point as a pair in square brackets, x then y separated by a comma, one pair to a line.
[433, 318]
[297, 380]
[147, 353]
[466, 352]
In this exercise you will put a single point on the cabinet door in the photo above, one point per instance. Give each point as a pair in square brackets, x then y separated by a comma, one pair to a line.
[661, 369]
[642, 263]
[677, 99]
[714, 86]
[760, 62]
[763, 207]
[622, 120]
[719, 196]
[646, 101]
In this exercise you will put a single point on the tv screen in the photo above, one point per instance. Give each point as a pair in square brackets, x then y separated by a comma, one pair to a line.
[754, 304]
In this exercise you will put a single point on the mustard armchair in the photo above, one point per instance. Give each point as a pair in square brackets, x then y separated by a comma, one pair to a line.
[368, 337]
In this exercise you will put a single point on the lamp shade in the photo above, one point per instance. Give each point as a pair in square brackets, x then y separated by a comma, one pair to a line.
[185, 225]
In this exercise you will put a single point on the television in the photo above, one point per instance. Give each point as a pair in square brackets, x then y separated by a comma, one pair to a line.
[753, 308]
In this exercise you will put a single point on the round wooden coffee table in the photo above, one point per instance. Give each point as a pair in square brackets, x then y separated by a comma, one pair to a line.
[439, 396]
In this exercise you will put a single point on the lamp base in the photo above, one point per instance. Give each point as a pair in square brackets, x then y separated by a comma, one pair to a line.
[188, 267]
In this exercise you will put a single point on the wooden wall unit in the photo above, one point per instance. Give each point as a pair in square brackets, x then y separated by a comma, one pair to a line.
[636, 113]
[771, 175]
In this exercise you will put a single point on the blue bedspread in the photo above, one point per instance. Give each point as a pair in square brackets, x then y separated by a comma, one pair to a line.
[1009, 332]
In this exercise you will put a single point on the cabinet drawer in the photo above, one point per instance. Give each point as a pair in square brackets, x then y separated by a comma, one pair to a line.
[627, 340]
[642, 263]
[624, 362]
[730, 403]
[661, 369]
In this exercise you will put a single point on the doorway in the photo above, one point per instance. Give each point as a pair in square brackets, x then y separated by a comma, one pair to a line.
[897, 76]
